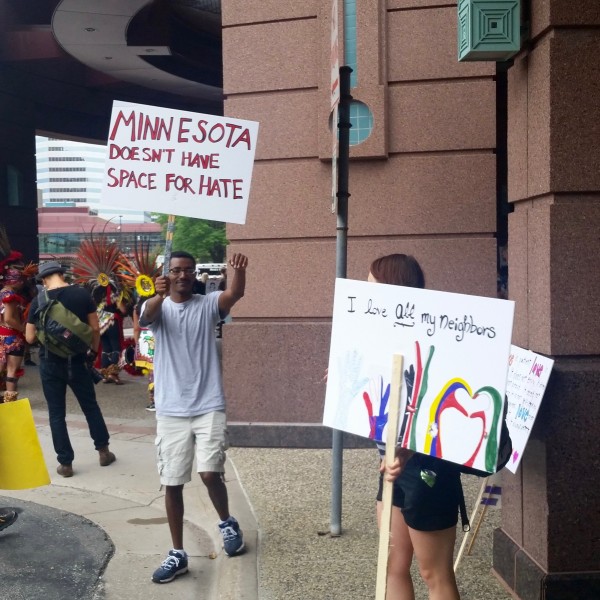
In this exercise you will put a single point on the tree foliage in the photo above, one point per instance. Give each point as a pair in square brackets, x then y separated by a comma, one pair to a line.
[206, 240]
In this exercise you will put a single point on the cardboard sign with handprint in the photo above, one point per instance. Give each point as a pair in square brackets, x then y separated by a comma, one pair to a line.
[455, 349]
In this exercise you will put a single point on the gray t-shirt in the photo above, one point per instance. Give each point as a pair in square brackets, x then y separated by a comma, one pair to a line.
[187, 371]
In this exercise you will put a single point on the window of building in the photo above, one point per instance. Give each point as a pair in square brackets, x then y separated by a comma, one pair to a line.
[14, 186]
[58, 169]
[67, 179]
[361, 116]
[65, 200]
[350, 38]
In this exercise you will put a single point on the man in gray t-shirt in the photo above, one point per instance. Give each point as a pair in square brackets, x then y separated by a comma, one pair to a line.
[189, 399]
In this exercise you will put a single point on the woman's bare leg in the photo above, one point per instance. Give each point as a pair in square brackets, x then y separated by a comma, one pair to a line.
[13, 364]
[434, 551]
[399, 581]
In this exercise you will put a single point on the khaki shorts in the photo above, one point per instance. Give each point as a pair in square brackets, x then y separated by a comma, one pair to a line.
[181, 439]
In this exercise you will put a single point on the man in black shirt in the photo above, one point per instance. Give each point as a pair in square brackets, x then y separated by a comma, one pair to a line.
[57, 372]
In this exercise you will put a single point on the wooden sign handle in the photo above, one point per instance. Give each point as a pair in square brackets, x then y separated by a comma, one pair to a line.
[168, 243]
[388, 486]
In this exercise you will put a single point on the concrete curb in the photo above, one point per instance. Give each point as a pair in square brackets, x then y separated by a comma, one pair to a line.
[124, 500]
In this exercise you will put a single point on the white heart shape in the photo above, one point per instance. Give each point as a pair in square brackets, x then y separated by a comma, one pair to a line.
[473, 405]
[459, 435]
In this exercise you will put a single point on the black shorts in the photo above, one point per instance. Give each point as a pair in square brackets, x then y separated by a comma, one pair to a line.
[427, 507]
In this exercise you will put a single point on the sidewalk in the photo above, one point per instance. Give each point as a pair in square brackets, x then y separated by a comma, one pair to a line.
[280, 496]
[124, 500]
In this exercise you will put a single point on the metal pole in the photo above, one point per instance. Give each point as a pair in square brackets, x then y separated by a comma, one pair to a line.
[337, 443]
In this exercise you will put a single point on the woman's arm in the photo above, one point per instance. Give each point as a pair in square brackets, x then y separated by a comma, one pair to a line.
[12, 316]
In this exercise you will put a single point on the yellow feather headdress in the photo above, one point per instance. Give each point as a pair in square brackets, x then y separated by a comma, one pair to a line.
[139, 272]
[96, 263]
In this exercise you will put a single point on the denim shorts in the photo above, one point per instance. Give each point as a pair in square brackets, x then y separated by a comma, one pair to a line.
[428, 501]
[180, 440]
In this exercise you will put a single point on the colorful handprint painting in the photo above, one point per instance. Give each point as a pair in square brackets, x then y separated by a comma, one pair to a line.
[455, 349]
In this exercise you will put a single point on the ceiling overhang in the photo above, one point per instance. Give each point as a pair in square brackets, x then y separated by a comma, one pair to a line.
[106, 36]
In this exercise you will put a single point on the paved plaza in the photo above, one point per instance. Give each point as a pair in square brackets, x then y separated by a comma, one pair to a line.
[101, 533]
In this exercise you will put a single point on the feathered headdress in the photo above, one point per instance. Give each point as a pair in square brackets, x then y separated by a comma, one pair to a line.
[139, 272]
[30, 270]
[96, 263]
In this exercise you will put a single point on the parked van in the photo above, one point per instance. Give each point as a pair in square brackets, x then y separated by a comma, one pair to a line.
[210, 268]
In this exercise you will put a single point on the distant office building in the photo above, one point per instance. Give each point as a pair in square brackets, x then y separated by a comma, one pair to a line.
[61, 230]
[70, 174]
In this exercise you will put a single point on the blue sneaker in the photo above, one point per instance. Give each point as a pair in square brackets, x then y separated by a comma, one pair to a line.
[233, 540]
[175, 564]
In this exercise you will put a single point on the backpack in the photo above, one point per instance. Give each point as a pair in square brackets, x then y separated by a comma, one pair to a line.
[60, 330]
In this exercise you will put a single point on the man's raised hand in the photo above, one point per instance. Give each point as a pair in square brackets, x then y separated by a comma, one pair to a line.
[238, 262]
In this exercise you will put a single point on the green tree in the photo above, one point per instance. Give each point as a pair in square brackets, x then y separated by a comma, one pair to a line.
[204, 239]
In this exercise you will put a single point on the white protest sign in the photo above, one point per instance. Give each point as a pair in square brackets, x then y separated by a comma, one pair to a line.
[455, 350]
[528, 375]
[179, 163]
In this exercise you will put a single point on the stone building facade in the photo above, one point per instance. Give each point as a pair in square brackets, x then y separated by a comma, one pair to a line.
[430, 181]
[459, 159]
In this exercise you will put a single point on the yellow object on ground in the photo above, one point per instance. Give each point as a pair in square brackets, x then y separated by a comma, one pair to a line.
[22, 464]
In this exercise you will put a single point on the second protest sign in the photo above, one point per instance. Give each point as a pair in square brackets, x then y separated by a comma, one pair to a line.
[455, 350]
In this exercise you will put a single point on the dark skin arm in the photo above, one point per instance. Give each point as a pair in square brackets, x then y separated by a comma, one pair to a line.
[227, 299]
[153, 305]
[236, 286]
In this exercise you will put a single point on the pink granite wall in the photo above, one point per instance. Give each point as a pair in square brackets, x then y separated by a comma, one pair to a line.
[422, 183]
[550, 513]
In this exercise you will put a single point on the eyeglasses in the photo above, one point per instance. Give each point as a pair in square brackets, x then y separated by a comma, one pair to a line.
[179, 271]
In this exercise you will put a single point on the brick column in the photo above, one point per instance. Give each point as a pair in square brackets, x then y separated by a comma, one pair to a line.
[549, 544]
